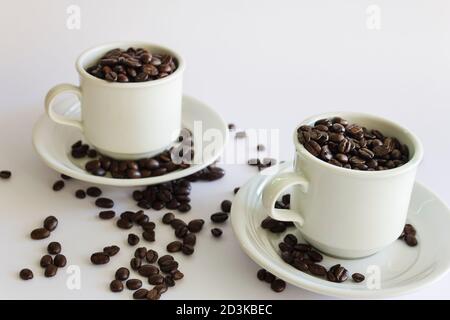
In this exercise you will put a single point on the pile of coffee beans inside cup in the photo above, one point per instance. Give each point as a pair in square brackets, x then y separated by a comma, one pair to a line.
[133, 65]
[352, 146]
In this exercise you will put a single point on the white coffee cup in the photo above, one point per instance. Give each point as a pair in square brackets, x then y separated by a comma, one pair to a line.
[124, 120]
[342, 212]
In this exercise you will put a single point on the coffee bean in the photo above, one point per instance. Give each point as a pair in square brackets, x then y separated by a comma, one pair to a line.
[135, 263]
[168, 217]
[99, 258]
[290, 240]
[122, 274]
[216, 232]
[184, 207]
[104, 203]
[156, 279]
[174, 246]
[50, 223]
[160, 288]
[148, 270]
[39, 234]
[153, 294]
[187, 249]
[411, 240]
[140, 294]
[133, 239]
[46, 260]
[196, 225]
[149, 235]
[5, 174]
[236, 190]
[226, 206]
[151, 256]
[140, 252]
[176, 223]
[80, 194]
[124, 224]
[60, 261]
[315, 256]
[93, 192]
[169, 281]
[177, 275]
[261, 274]
[26, 274]
[409, 230]
[300, 265]
[168, 266]
[219, 217]
[54, 247]
[50, 270]
[58, 185]
[181, 231]
[269, 277]
[358, 277]
[111, 250]
[165, 258]
[278, 285]
[190, 239]
[133, 284]
[116, 286]
[106, 215]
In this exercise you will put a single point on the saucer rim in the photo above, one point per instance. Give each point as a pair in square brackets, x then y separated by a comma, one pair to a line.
[325, 288]
[107, 181]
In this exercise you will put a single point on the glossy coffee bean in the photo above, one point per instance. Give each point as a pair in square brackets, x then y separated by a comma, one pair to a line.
[50, 270]
[133, 239]
[58, 185]
[278, 285]
[116, 286]
[226, 206]
[216, 232]
[39, 234]
[196, 225]
[106, 215]
[134, 284]
[174, 246]
[148, 270]
[99, 258]
[104, 203]
[151, 256]
[46, 260]
[111, 250]
[358, 277]
[50, 223]
[122, 274]
[156, 279]
[219, 217]
[94, 192]
[5, 174]
[54, 247]
[26, 274]
[80, 194]
[60, 261]
[140, 294]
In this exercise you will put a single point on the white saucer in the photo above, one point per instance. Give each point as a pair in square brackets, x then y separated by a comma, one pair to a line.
[402, 269]
[53, 143]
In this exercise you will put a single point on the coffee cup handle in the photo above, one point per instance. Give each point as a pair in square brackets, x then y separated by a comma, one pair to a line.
[51, 95]
[273, 191]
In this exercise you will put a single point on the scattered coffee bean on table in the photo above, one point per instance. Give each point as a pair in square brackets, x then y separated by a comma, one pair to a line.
[236, 190]
[106, 215]
[135, 263]
[151, 256]
[116, 286]
[358, 277]
[50, 271]
[133, 239]
[54, 247]
[5, 174]
[122, 274]
[140, 294]
[26, 274]
[196, 225]
[105, 203]
[60, 261]
[226, 206]
[134, 284]
[93, 192]
[278, 285]
[58, 185]
[39, 234]
[50, 223]
[216, 232]
[168, 217]
[111, 250]
[219, 217]
[153, 294]
[352, 146]
[190, 239]
[99, 258]
[80, 194]
[46, 260]
[174, 246]
[149, 235]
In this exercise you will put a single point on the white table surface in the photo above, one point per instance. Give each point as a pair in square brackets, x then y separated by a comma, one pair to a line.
[261, 64]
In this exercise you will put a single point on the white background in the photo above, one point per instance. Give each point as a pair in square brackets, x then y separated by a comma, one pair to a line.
[261, 64]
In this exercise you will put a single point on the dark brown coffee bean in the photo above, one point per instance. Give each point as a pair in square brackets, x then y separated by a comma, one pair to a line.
[278, 285]
[46, 260]
[92, 165]
[358, 277]
[54, 247]
[290, 240]
[133, 239]
[135, 263]
[168, 266]
[122, 274]
[5, 174]
[196, 225]
[148, 226]
[261, 274]
[174, 246]
[151, 256]
[187, 249]
[169, 281]
[93, 192]
[134, 284]
[50, 270]
[269, 277]
[116, 286]
[99, 258]
[300, 265]
[168, 217]
[216, 232]
[236, 190]
[181, 231]
[50, 223]
[184, 207]
[39, 234]
[124, 224]
[104, 203]
[190, 239]
[149, 235]
[317, 270]
[165, 258]
[60, 261]
[226, 206]
[106, 215]
[219, 217]
[153, 294]
[26, 274]
[148, 270]
[140, 294]
[80, 194]
[411, 240]
[140, 252]
[58, 185]
[409, 229]
[111, 250]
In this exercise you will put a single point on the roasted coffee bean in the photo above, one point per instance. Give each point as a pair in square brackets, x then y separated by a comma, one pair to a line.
[163, 259]
[317, 270]
[216, 232]
[135, 263]
[290, 240]
[60, 261]
[196, 225]
[184, 207]
[358, 277]
[104, 203]
[149, 235]
[111, 250]
[54, 247]
[116, 286]
[106, 215]
[219, 217]
[26, 274]
[409, 230]
[140, 252]
[5, 174]
[58, 185]
[168, 217]
[99, 258]
[122, 274]
[168, 266]
[80, 194]
[261, 274]
[133, 239]
[133, 284]
[187, 249]
[236, 190]
[124, 224]
[151, 256]
[140, 294]
[93, 192]
[269, 277]
[190, 239]
[181, 231]
[92, 165]
[153, 294]
[169, 281]
[411, 240]
[177, 275]
[315, 256]
[174, 246]
[300, 265]
[46, 260]
[148, 226]
[50, 223]
[148, 270]
[39, 234]
[50, 270]
[226, 206]
[278, 285]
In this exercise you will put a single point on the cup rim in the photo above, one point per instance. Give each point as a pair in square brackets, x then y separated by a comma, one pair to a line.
[412, 163]
[117, 44]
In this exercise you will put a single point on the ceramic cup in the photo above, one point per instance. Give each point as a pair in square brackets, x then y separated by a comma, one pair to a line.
[124, 120]
[342, 212]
